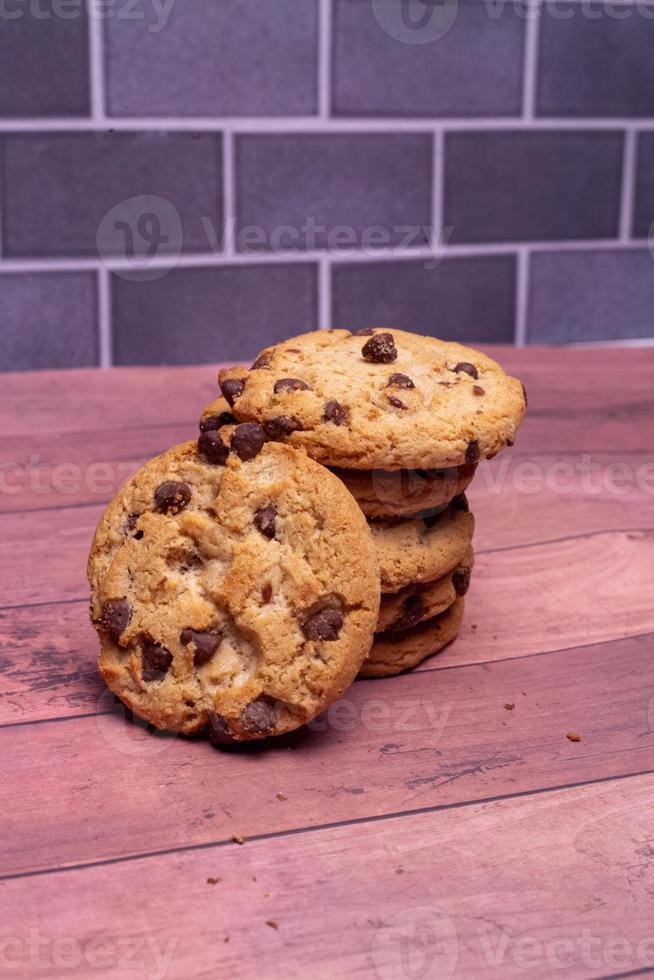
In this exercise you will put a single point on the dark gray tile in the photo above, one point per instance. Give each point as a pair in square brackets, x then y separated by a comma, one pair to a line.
[466, 299]
[43, 60]
[590, 295]
[644, 197]
[49, 320]
[211, 314]
[521, 186]
[596, 66]
[362, 184]
[457, 60]
[214, 58]
[58, 188]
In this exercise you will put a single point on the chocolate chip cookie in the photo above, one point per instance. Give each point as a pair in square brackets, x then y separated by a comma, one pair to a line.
[422, 549]
[405, 493]
[379, 399]
[394, 652]
[234, 587]
[412, 605]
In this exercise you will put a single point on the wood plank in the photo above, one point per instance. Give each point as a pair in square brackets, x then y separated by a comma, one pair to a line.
[546, 885]
[527, 601]
[88, 400]
[421, 740]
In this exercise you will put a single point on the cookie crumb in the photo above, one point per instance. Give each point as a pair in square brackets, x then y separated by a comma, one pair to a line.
[573, 737]
[273, 925]
[280, 796]
[238, 839]
[213, 881]
[509, 707]
[226, 939]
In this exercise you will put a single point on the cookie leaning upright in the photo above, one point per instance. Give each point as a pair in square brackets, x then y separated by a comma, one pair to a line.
[234, 586]
[379, 399]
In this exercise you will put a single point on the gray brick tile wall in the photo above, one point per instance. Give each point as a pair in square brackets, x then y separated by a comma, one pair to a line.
[57, 187]
[644, 194]
[481, 171]
[538, 186]
[463, 299]
[474, 69]
[43, 62]
[594, 65]
[590, 295]
[355, 182]
[196, 315]
[48, 320]
[214, 58]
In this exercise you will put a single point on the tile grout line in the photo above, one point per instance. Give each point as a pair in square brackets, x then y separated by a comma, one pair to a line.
[228, 230]
[325, 15]
[98, 106]
[530, 62]
[200, 259]
[327, 125]
[521, 295]
[96, 68]
[628, 188]
[105, 331]
[437, 189]
[324, 294]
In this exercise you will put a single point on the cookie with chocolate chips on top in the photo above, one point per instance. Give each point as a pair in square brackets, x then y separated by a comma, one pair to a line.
[411, 550]
[413, 604]
[396, 651]
[379, 399]
[234, 586]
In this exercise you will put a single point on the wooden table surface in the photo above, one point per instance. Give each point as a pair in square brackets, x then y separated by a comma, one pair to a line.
[439, 824]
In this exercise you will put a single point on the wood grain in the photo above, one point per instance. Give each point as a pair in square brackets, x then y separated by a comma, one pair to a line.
[557, 884]
[522, 601]
[395, 745]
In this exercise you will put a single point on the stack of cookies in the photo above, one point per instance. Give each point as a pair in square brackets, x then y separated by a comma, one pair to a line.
[402, 420]
[316, 530]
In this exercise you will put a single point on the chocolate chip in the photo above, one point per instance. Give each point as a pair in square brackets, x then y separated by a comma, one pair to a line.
[395, 402]
[478, 390]
[460, 502]
[380, 349]
[155, 661]
[232, 388]
[461, 580]
[262, 361]
[334, 412]
[172, 496]
[264, 520]
[323, 621]
[400, 381]
[212, 422]
[365, 332]
[468, 368]
[266, 593]
[413, 611]
[115, 616]
[248, 440]
[218, 730]
[130, 527]
[524, 392]
[290, 384]
[211, 446]
[260, 716]
[281, 426]
[472, 452]
[206, 643]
